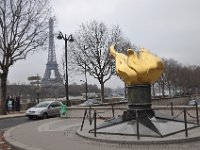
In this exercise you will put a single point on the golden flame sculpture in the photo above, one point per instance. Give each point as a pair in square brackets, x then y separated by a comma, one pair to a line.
[137, 67]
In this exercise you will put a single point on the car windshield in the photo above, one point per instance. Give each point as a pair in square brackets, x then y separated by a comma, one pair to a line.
[90, 101]
[42, 104]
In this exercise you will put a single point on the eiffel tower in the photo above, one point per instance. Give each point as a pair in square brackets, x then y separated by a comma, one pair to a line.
[51, 76]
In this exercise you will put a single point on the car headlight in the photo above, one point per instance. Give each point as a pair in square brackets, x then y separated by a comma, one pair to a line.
[38, 112]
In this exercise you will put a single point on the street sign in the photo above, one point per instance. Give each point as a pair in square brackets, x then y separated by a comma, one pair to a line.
[35, 82]
[34, 78]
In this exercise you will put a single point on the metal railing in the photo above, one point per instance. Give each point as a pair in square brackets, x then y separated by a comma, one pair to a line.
[184, 112]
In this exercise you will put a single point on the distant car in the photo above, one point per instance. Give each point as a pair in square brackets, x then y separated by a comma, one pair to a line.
[90, 102]
[44, 110]
[194, 101]
[124, 100]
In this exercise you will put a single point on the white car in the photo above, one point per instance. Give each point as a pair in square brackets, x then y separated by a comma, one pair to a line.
[44, 110]
[125, 100]
[194, 101]
[90, 102]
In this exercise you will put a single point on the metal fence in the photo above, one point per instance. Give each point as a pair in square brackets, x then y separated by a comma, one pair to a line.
[188, 115]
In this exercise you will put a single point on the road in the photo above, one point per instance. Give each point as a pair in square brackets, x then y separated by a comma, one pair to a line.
[11, 122]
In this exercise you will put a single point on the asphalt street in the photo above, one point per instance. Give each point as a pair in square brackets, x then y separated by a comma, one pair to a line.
[11, 122]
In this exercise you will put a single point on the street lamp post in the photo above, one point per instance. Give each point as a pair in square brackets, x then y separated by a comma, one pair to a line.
[35, 80]
[86, 86]
[86, 89]
[66, 39]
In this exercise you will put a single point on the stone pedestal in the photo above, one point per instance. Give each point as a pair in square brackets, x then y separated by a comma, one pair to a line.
[139, 102]
[140, 119]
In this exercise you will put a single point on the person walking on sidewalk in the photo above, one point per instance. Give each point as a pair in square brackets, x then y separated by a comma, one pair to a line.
[9, 104]
[17, 103]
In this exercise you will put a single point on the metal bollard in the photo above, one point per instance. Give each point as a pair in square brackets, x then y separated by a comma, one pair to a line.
[197, 112]
[137, 125]
[90, 118]
[95, 123]
[113, 111]
[185, 121]
[83, 119]
[172, 109]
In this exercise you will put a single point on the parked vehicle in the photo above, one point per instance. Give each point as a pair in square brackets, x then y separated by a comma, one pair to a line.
[44, 110]
[90, 102]
[194, 101]
[125, 100]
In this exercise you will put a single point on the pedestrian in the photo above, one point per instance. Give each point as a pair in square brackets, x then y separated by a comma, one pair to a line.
[18, 103]
[12, 102]
[7, 104]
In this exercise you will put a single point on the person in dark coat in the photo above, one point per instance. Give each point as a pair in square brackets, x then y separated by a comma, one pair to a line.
[18, 103]
[15, 104]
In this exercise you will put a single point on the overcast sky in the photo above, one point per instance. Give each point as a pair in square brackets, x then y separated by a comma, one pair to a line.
[168, 28]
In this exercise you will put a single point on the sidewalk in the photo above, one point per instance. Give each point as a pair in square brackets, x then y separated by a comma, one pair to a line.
[13, 114]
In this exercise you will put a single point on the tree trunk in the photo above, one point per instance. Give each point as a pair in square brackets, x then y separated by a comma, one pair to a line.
[153, 89]
[163, 90]
[180, 87]
[102, 92]
[170, 93]
[159, 88]
[125, 92]
[3, 93]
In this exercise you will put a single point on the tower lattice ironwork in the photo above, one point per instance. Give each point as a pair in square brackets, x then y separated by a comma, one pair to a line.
[51, 76]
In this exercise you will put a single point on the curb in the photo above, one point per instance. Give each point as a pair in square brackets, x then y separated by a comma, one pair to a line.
[12, 116]
[15, 144]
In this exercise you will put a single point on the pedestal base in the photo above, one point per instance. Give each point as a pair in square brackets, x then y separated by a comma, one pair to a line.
[158, 126]
[139, 102]
[133, 114]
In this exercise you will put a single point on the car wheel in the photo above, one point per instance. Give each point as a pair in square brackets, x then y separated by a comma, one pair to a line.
[45, 116]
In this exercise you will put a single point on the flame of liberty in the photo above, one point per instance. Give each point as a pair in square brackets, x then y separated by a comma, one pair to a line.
[137, 67]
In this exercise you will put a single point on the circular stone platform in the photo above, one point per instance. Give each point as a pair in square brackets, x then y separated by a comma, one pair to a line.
[193, 135]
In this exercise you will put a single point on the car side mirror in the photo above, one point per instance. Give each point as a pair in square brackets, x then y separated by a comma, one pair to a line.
[50, 107]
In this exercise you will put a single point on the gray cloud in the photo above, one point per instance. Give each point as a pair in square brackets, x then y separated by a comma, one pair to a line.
[169, 28]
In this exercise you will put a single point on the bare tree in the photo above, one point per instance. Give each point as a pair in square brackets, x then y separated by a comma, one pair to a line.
[195, 80]
[23, 29]
[90, 50]
[171, 68]
[169, 76]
